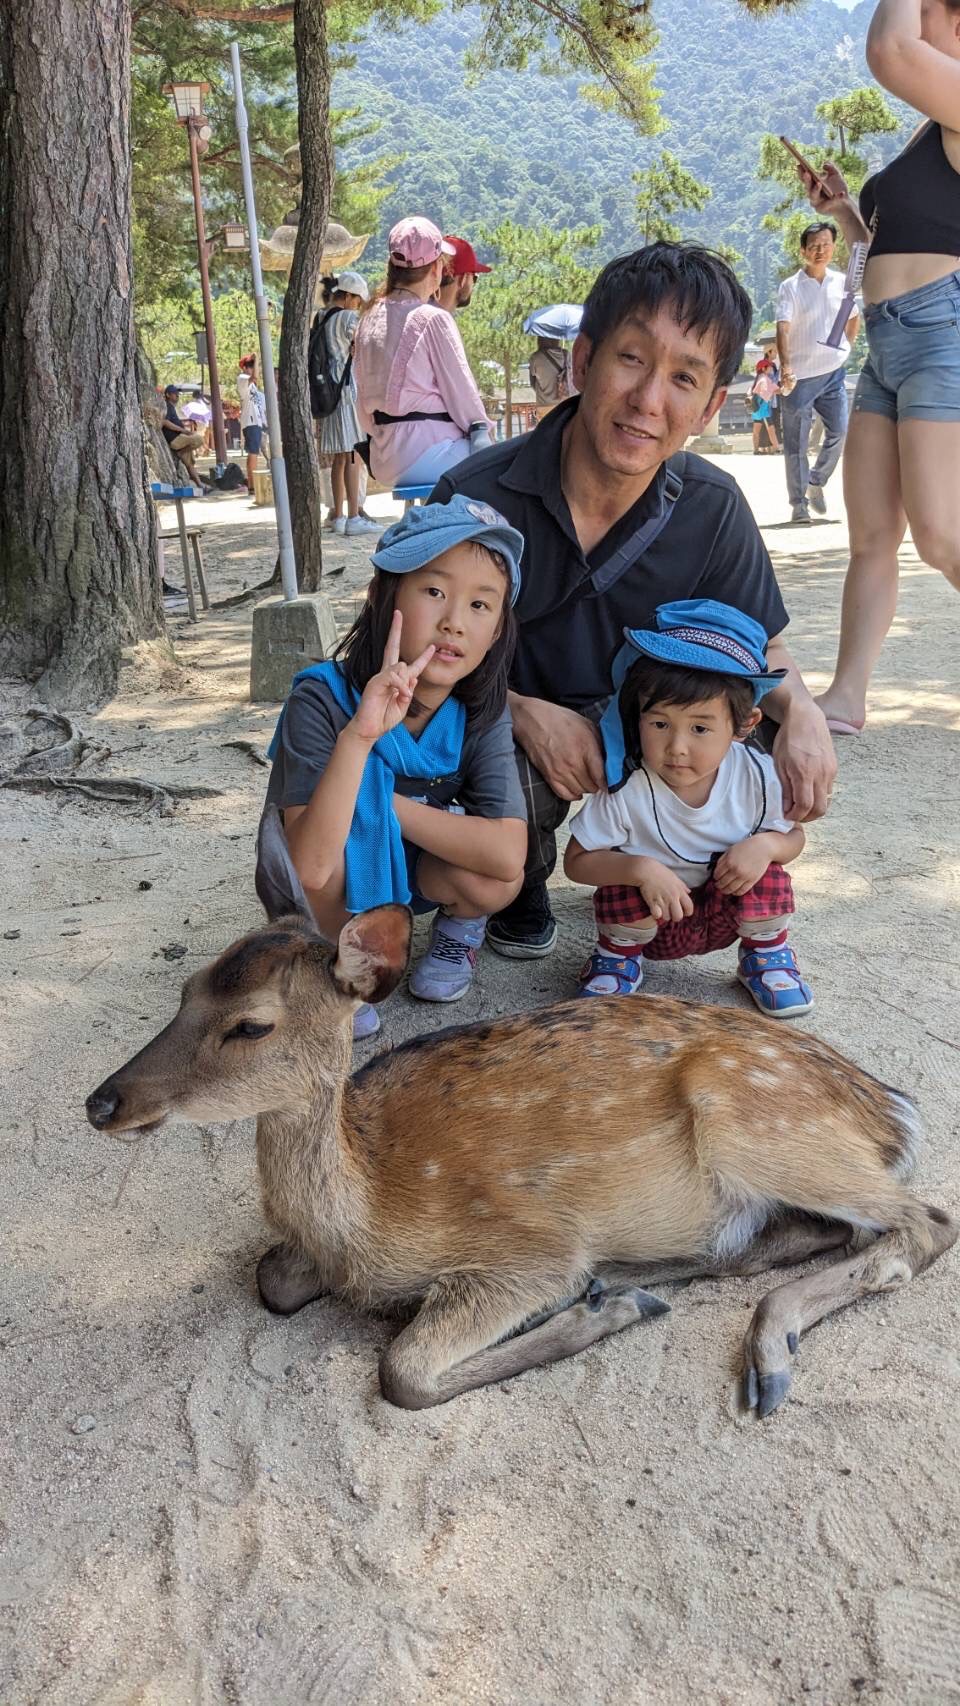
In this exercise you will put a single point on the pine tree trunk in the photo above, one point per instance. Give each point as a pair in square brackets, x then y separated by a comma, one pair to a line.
[77, 555]
[316, 164]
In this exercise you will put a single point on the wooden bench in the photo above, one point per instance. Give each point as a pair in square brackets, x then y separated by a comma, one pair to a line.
[188, 536]
[194, 536]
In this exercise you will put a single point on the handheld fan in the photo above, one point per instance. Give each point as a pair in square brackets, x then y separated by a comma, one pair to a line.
[851, 284]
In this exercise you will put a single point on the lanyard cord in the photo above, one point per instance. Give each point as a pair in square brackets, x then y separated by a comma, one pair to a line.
[683, 857]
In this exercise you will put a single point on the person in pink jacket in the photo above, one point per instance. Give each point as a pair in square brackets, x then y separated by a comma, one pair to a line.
[416, 396]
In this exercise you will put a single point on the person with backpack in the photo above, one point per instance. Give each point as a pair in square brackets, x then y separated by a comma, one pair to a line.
[550, 375]
[417, 398]
[333, 398]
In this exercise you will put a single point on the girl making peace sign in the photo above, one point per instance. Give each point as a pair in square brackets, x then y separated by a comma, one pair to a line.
[411, 716]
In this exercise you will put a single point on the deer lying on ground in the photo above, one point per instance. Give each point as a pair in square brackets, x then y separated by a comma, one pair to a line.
[522, 1181]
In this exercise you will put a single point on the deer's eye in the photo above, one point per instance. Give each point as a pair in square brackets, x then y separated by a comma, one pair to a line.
[249, 1031]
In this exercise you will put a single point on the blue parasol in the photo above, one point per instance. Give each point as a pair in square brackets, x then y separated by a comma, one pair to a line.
[560, 321]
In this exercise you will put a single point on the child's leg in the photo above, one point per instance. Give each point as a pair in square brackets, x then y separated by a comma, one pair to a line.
[464, 900]
[767, 965]
[624, 928]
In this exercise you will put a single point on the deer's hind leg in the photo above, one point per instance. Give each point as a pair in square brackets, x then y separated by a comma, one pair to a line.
[470, 1331]
[786, 1240]
[917, 1235]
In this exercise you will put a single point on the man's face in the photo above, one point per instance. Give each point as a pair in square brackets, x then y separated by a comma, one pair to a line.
[644, 390]
[465, 284]
[818, 249]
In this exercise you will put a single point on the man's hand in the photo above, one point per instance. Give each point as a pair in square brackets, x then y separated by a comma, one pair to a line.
[806, 763]
[667, 895]
[564, 746]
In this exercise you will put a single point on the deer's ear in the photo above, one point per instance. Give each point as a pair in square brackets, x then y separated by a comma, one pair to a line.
[277, 884]
[373, 952]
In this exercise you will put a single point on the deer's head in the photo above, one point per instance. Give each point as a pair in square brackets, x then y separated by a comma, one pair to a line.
[267, 1022]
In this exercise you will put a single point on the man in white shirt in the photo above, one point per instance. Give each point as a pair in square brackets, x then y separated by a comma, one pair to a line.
[812, 373]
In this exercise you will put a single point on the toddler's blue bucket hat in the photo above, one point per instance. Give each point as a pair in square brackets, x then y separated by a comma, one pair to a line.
[696, 633]
[430, 529]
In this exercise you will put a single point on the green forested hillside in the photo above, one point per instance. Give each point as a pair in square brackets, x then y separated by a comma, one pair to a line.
[525, 147]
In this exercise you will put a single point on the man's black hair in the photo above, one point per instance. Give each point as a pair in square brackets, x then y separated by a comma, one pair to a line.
[696, 283]
[814, 231]
[649, 682]
[483, 693]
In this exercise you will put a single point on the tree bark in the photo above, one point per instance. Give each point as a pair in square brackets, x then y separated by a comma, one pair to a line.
[316, 162]
[77, 554]
[508, 395]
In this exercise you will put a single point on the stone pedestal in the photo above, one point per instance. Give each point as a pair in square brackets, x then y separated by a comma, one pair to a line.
[288, 635]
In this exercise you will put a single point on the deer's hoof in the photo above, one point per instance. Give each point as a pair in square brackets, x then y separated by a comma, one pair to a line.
[286, 1280]
[765, 1392]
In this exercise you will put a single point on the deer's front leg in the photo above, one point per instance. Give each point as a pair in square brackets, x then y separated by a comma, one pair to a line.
[459, 1337]
[287, 1279]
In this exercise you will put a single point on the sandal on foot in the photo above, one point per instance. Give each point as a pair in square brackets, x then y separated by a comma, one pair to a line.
[837, 726]
[605, 975]
[786, 995]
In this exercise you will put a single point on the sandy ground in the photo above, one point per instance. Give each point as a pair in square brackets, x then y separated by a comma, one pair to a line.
[202, 1504]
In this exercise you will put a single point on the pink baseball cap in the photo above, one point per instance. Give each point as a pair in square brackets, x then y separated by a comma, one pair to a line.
[416, 243]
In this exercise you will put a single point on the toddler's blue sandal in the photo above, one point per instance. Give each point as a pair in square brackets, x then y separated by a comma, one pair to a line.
[772, 977]
[605, 975]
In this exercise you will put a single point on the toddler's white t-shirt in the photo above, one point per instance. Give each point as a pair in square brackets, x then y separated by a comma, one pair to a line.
[624, 822]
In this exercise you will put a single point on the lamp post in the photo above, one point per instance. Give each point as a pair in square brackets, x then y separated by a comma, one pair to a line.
[187, 101]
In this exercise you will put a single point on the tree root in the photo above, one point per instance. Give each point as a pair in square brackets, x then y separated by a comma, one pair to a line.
[251, 749]
[155, 796]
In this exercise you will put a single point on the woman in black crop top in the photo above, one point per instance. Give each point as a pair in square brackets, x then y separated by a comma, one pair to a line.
[902, 455]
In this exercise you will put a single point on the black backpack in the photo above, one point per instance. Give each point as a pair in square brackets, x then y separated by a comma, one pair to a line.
[325, 391]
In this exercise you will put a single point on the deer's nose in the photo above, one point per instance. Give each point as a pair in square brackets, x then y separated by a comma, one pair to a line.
[102, 1105]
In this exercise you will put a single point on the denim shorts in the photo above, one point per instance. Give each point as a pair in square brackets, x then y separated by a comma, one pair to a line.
[252, 440]
[912, 372]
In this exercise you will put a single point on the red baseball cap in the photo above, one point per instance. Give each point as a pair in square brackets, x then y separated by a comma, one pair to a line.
[464, 258]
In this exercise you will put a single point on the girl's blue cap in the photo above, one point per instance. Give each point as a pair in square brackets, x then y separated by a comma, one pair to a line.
[696, 633]
[428, 530]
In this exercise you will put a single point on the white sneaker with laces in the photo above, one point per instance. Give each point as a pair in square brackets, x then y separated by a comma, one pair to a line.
[358, 525]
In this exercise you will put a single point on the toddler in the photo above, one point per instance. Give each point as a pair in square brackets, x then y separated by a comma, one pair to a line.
[687, 845]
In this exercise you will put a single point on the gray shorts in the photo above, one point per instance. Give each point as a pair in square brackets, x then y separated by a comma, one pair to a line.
[913, 368]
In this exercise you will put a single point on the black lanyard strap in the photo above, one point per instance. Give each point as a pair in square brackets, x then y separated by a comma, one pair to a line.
[685, 858]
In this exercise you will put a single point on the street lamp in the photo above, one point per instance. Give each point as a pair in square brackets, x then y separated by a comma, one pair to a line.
[187, 101]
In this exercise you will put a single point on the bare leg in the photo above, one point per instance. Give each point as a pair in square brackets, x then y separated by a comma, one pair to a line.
[923, 1234]
[458, 1340]
[772, 435]
[251, 470]
[351, 475]
[871, 486]
[286, 1280]
[463, 894]
[337, 484]
[929, 453]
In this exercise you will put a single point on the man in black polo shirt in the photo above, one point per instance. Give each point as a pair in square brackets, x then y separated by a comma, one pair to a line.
[617, 519]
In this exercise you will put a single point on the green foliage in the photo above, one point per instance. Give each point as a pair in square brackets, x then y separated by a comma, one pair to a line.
[532, 268]
[609, 41]
[167, 327]
[663, 188]
[847, 121]
[523, 146]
